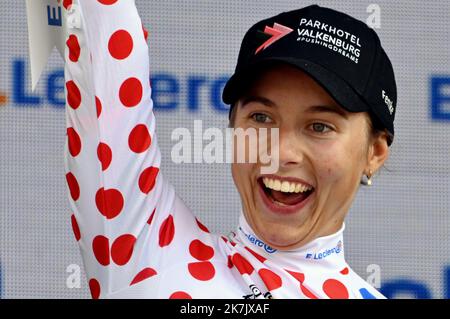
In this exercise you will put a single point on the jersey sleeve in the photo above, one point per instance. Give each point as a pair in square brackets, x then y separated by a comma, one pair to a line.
[122, 207]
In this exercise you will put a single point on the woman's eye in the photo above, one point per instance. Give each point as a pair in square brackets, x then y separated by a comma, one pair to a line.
[260, 117]
[320, 128]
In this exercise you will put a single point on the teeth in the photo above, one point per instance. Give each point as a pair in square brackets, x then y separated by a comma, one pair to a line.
[276, 185]
[292, 188]
[285, 186]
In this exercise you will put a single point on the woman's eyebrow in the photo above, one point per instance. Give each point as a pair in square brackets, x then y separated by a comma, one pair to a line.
[327, 109]
[258, 99]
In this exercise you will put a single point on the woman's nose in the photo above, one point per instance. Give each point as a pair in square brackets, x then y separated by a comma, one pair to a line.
[290, 149]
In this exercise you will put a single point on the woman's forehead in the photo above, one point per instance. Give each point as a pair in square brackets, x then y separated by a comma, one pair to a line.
[282, 85]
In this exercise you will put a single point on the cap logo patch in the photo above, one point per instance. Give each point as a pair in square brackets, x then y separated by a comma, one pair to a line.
[276, 32]
[328, 36]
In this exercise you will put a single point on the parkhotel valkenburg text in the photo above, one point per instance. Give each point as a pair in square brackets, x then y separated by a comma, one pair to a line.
[340, 41]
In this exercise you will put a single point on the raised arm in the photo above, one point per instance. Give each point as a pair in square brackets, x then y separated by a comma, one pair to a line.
[116, 190]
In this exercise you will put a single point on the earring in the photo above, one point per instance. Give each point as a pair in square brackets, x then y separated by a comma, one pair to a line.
[369, 178]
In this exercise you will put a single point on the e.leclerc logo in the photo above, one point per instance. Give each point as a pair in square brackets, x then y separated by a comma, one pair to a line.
[170, 92]
[327, 252]
[257, 242]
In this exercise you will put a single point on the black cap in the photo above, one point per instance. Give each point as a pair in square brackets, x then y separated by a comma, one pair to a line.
[341, 53]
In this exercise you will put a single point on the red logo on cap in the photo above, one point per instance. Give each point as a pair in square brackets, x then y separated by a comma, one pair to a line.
[277, 32]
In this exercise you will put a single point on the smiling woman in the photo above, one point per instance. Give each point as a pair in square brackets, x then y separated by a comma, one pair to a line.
[138, 238]
[323, 152]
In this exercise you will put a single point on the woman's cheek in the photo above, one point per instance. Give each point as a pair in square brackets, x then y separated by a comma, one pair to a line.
[241, 174]
[333, 162]
[327, 166]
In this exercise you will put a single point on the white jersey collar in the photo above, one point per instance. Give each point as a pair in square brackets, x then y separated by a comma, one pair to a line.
[326, 251]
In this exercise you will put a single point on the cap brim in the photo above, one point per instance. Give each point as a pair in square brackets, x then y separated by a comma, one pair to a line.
[337, 87]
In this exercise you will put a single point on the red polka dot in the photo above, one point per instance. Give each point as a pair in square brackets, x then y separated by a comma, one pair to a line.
[242, 265]
[301, 278]
[150, 219]
[74, 142]
[180, 295]
[147, 179]
[297, 275]
[335, 289]
[139, 139]
[104, 154]
[100, 246]
[74, 188]
[257, 256]
[94, 286]
[145, 33]
[74, 48]
[307, 292]
[75, 228]
[202, 270]
[130, 92]
[120, 44]
[200, 251]
[230, 262]
[67, 4]
[166, 232]
[98, 106]
[122, 249]
[201, 226]
[107, 2]
[344, 271]
[109, 202]
[142, 275]
[271, 279]
[73, 95]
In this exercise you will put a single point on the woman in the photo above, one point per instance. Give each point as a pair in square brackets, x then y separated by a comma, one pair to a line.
[318, 76]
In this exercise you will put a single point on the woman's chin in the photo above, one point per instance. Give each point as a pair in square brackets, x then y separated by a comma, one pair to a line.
[278, 228]
[283, 243]
[282, 236]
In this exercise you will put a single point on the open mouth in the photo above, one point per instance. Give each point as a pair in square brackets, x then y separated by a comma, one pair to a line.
[284, 196]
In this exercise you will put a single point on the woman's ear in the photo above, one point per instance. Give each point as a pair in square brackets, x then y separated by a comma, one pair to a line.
[378, 152]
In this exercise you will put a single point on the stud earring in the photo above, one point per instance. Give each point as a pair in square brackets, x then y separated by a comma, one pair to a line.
[369, 178]
[369, 181]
